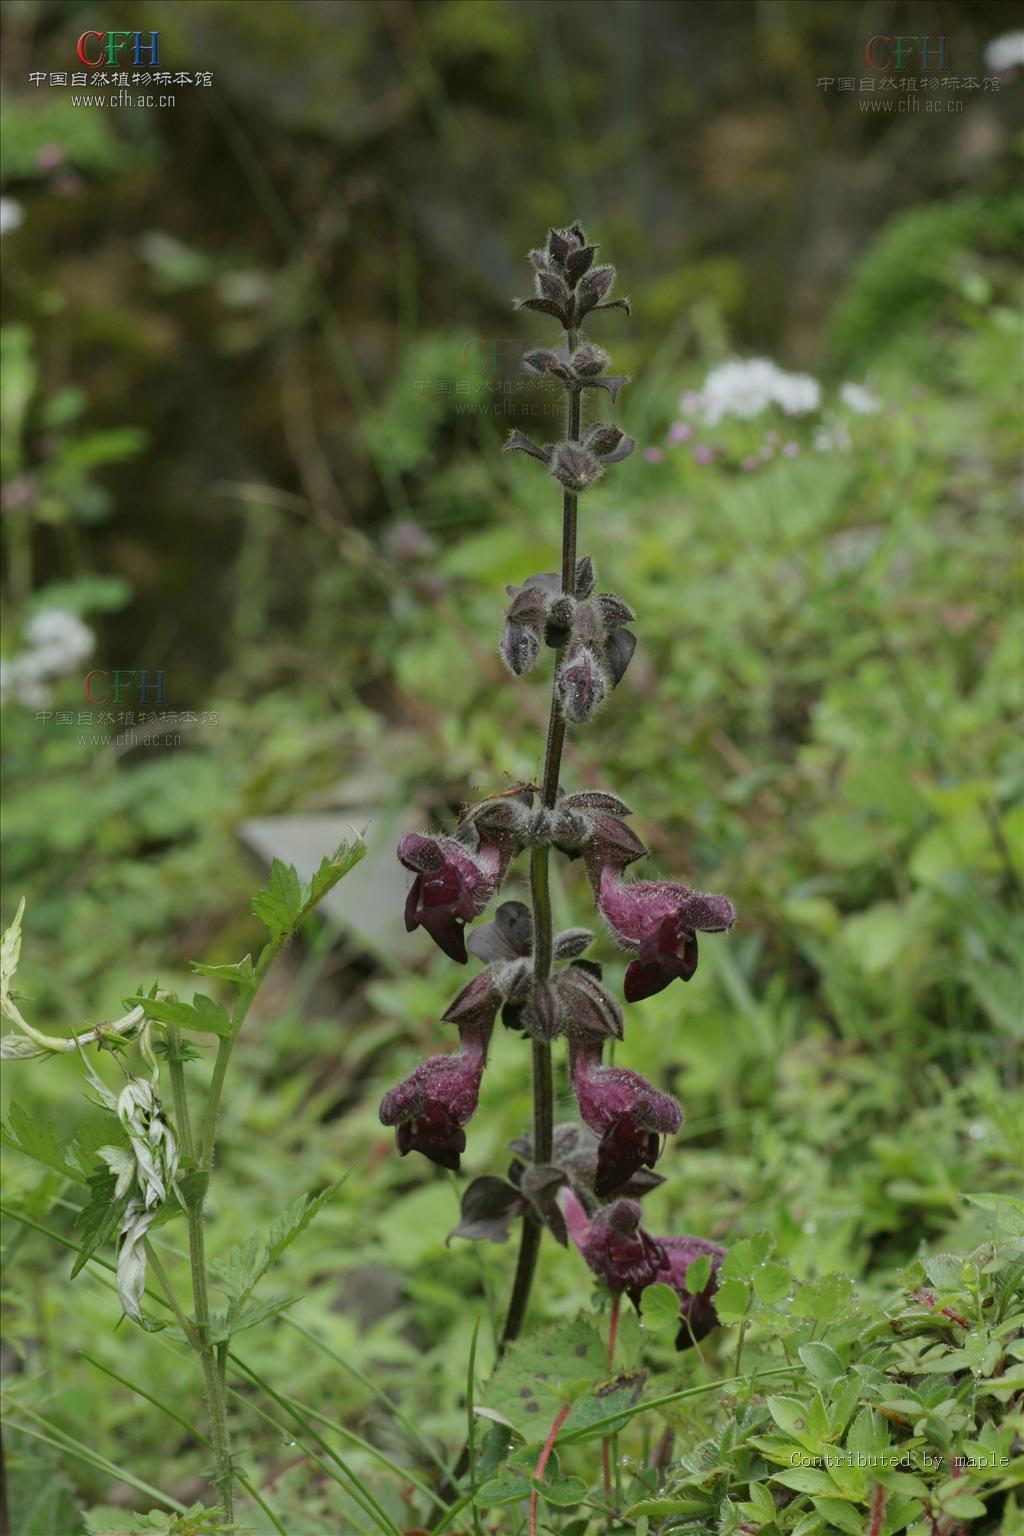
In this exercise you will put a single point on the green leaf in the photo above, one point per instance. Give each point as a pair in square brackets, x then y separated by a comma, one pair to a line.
[38, 1139]
[226, 1324]
[841, 1517]
[1008, 1211]
[868, 1435]
[731, 1300]
[659, 1509]
[202, 1014]
[771, 1282]
[247, 1264]
[660, 1305]
[805, 1480]
[822, 1362]
[739, 1262]
[241, 974]
[562, 1491]
[284, 901]
[279, 903]
[508, 1487]
[100, 1218]
[597, 1403]
[698, 1274]
[520, 1386]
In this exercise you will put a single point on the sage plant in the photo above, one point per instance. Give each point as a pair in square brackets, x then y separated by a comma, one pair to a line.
[536, 978]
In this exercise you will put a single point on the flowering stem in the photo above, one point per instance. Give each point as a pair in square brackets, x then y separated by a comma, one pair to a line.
[542, 1461]
[543, 927]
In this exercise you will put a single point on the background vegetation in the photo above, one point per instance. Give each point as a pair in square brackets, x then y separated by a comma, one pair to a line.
[258, 362]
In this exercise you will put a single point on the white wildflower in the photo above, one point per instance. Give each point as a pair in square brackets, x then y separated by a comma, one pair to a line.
[1005, 53]
[746, 388]
[56, 642]
[859, 399]
[60, 638]
[12, 215]
[131, 1258]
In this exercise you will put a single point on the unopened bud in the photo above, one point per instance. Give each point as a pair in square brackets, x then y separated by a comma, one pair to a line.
[541, 1016]
[520, 647]
[581, 686]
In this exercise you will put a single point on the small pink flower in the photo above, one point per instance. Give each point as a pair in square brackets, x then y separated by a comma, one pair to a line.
[653, 455]
[49, 156]
[452, 886]
[689, 402]
[679, 432]
[628, 1113]
[790, 450]
[703, 454]
[750, 463]
[767, 452]
[656, 918]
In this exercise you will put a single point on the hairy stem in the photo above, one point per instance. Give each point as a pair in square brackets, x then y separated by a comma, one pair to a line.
[543, 926]
[213, 1358]
[542, 1461]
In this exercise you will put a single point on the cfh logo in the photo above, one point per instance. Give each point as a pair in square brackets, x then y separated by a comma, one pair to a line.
[110, 48]
[884, 53]
[103, 687]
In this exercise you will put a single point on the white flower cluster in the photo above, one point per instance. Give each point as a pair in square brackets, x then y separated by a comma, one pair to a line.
[56, 641]
[746, 388]
[859, 399]
[150, 1168]
[12, 215]
[1005, 53]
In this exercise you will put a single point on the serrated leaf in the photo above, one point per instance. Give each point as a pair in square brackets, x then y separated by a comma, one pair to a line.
[284, 901]
[241, 974]
[557, 1354]
[279, 903]
[226, 1324]
[202, 1014]
[38, 1139]
[100, 1218]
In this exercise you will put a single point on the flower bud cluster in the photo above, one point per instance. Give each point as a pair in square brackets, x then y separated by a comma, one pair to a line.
[542, 983]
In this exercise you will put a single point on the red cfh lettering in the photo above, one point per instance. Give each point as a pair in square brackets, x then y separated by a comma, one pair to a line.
[869, 51]
[92, 63]
[96, 672]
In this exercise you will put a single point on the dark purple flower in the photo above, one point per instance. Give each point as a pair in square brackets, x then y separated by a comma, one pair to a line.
[628, 1113]
[661, 921]
[615, 1246]
[452, 886]
[439, 1097]
[697, 1313]
[626, 1258]
[581, 685]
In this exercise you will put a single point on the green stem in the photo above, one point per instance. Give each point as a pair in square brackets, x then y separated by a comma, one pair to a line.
[179, 1097]
[213, 1358]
